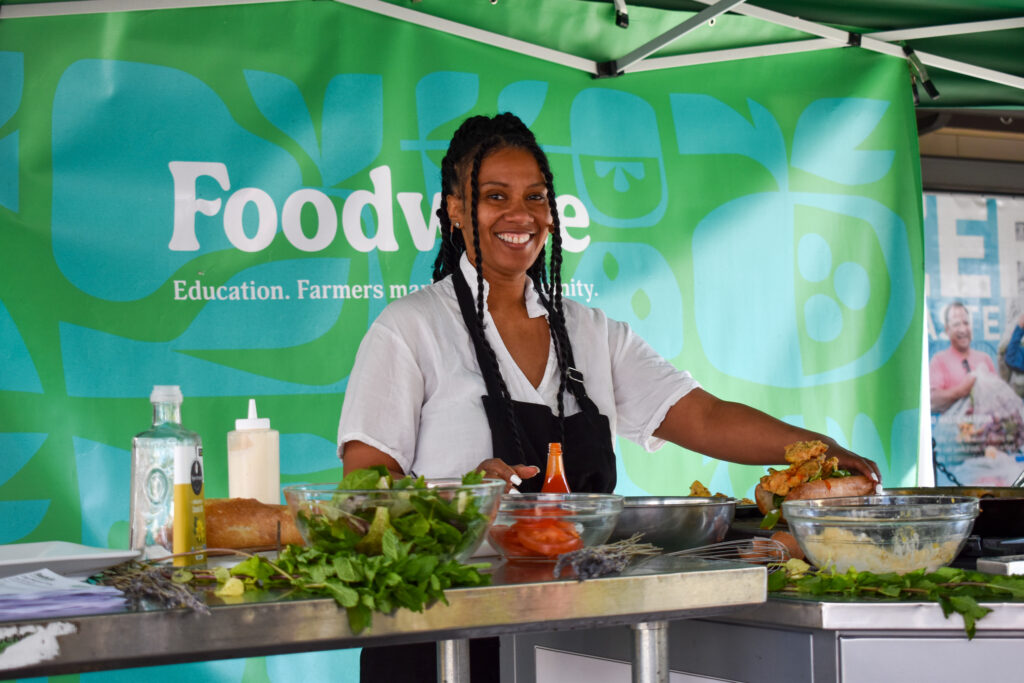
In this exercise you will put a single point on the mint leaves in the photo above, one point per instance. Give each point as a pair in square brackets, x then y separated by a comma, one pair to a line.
[956, 590]
[363, 584]
[377, 555]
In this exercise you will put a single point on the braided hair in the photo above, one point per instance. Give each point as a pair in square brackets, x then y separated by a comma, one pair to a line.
[475, 139]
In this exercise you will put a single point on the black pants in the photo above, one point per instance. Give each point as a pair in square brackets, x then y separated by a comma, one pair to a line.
[417, 663]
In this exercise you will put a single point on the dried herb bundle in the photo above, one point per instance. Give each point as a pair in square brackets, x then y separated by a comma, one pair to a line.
[599, 560]
[165, 587]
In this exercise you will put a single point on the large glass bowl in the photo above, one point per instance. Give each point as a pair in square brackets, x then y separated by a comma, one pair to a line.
[542, 526]
[675, 522]
[881, 534]
[323, 514]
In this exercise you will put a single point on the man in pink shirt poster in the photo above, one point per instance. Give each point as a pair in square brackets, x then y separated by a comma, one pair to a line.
[952, 372]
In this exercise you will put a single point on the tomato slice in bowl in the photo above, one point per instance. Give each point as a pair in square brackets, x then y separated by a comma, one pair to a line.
[506, 539]
[548, 537]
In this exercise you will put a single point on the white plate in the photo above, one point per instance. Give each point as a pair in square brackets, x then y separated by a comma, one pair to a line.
[60, 557]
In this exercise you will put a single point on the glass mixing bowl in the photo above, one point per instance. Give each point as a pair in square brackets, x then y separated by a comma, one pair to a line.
[542, 526]
[883, 533]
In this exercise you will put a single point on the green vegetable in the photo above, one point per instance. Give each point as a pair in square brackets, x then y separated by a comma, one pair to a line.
[956, 590]
[771, 519]
[376, 558]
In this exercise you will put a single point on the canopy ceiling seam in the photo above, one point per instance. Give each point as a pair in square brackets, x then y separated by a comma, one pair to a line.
[472, 33]
[735, 54]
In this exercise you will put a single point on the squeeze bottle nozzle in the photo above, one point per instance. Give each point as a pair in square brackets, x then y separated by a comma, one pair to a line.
[252, 422]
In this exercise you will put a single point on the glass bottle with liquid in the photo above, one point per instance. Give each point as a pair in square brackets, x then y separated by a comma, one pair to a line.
[167, 498]
[554, 477]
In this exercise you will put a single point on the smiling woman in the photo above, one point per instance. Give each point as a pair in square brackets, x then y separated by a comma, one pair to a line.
[486, 367]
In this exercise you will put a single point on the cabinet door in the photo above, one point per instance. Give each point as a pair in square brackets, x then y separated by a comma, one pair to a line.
[928, 659]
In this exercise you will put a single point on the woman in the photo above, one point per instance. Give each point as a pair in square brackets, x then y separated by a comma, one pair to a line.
[494, 325]
[464, 374]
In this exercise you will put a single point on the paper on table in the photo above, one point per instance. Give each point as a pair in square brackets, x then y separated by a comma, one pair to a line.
[44, 593]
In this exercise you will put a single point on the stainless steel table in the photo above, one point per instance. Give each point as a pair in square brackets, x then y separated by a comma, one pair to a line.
[803, 640]
[522, 598]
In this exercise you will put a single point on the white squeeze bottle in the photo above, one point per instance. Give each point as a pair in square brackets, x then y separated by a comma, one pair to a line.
[254, 468]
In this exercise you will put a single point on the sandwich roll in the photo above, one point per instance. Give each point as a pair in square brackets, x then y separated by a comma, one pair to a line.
[832, 487]
[240, 523]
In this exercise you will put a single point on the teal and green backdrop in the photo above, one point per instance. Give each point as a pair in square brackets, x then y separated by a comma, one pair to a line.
[225, 198]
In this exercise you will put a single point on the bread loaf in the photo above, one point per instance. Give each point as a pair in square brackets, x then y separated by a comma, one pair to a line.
[239, 523]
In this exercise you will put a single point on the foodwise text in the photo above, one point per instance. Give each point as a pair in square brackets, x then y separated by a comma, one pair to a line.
[233, 205]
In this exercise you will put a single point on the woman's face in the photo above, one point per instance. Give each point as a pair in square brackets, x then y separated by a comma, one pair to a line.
[512, 214]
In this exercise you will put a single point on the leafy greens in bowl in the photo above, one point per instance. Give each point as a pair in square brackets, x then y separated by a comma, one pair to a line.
[448, 518]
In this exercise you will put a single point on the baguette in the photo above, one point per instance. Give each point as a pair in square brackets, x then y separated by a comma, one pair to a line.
[240, 523]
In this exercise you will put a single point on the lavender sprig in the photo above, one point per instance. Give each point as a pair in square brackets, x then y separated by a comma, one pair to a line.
[599, 560]
[140, 582]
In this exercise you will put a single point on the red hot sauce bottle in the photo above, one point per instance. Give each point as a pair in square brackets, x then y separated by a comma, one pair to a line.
[554, 478]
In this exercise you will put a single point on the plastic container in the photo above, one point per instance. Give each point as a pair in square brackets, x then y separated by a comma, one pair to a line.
[167, 495]
[254, 465]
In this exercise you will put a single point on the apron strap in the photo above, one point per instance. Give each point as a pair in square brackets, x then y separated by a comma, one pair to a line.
[574, 378]
[465, 298]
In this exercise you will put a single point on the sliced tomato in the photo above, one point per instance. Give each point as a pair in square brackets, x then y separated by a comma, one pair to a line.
[549, 539]
[506, 538]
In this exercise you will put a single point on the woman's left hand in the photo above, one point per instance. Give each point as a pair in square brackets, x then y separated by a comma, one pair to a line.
[857, 464]
[497, 468]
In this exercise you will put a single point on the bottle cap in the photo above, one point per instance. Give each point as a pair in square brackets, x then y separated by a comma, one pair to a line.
[252, 422]
[166, 393]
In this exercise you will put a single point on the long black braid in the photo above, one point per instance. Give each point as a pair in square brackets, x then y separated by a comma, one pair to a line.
[477, 137]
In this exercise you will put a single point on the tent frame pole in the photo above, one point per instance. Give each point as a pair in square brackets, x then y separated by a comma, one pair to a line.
[697, 20]
[875, 45]
[634, 61]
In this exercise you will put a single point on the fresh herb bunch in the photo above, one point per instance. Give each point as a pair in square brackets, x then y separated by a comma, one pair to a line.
[371, 557]
[956, 590]
[417, 515]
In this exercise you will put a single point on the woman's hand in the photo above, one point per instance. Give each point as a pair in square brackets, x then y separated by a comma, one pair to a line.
[512, 474]
[855, 463]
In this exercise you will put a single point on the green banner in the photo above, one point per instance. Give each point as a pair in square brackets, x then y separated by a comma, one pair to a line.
[225, 198]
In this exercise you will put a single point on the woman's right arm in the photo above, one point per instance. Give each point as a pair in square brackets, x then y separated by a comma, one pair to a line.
[357, 455]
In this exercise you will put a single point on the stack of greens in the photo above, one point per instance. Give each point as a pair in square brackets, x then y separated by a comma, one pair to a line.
[956, 590]
[376, 557]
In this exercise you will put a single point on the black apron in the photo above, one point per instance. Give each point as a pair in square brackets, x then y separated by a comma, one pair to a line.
[587, 452]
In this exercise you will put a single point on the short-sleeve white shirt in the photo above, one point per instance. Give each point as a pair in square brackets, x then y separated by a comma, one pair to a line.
[415, 389]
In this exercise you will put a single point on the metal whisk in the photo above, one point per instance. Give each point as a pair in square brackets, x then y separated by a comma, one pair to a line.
[752, 550]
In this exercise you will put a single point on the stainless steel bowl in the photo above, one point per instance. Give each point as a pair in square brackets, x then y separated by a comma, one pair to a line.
[675, 523]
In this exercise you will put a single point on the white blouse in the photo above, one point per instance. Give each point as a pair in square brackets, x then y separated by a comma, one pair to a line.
[415, 389]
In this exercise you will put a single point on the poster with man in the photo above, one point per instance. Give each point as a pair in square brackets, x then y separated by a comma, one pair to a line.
[974, 265]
